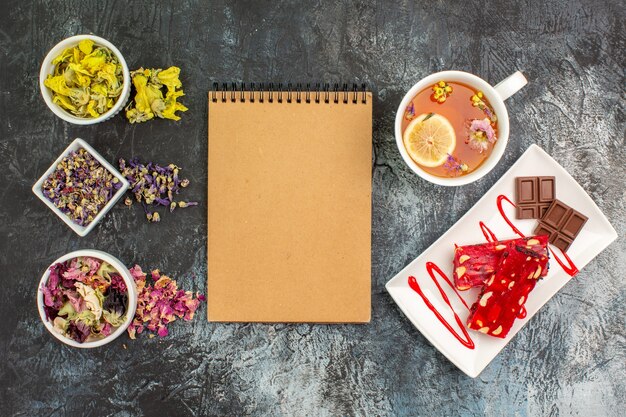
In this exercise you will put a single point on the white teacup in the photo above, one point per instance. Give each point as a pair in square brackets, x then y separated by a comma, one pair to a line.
[495, 95]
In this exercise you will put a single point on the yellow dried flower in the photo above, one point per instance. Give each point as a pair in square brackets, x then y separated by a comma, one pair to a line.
[86, 80]
[477, 101]
[86, 46]
[441, 91]
[149, 100]
[64, 102]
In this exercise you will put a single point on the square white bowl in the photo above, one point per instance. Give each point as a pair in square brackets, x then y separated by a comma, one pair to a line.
[74, 146]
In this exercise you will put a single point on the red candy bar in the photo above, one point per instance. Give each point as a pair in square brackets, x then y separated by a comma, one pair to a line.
[522, 263]
[474, 264]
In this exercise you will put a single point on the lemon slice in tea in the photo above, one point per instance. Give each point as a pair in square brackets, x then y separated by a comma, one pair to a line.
[429, 138]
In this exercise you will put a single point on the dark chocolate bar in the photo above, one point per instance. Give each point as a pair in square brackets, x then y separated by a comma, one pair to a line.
[533, 196]
[562, 223]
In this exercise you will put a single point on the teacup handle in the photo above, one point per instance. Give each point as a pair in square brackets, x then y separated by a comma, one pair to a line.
[511, 85]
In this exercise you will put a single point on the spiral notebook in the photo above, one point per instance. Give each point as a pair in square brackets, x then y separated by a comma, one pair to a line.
[289, 204]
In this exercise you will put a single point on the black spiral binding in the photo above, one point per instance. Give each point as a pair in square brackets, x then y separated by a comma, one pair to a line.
[318, 94]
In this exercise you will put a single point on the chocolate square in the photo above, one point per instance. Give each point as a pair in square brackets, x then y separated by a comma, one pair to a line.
[542, 229]
[527, 212]
[556, 214]
[542, 210]
[573, 224]
[562, 242]
[546, 189]
[526, 190]
[533, 196]
[562, 223]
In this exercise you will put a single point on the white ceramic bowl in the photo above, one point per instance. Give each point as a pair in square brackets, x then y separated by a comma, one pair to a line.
[47, 68]
[495, 95]
[81, 230]
[130, 285]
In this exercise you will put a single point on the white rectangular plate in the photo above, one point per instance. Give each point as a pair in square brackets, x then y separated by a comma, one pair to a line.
[596, 235]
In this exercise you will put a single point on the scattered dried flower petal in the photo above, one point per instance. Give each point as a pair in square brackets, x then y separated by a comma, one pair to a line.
[154, 185]
[160, 303]
[149, 100]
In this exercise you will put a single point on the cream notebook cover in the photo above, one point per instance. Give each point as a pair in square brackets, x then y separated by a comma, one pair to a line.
[289, 206]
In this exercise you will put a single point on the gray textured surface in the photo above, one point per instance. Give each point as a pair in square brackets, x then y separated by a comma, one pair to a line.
[568, 361]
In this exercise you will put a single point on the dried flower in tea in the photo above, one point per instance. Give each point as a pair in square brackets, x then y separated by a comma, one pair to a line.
[441, 91]
[160, 303]
[149, 100]
[454, 166]
[80, 187]
[87, 80]
[409, 113]
[481, 134]
[477, 101]
[154, 185]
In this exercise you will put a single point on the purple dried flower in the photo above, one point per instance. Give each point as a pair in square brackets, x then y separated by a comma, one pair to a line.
[80, 187]
[154, 185]
[78, 331]
[454, 166]
[117, 283]
[162, 201]
[55, 275]
[52, 295]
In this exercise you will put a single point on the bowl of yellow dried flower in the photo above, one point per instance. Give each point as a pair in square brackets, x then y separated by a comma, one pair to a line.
[85, 80]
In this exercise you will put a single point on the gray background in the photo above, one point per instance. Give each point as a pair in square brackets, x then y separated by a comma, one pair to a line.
[569, 360]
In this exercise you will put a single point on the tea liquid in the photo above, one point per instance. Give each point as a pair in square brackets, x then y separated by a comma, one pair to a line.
[459, 111]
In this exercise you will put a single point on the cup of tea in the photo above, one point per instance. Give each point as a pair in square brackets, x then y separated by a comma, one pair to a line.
[452, 127]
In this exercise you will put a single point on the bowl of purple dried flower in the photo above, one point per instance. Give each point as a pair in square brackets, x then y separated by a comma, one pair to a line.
[80, 187]
[87, 298]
